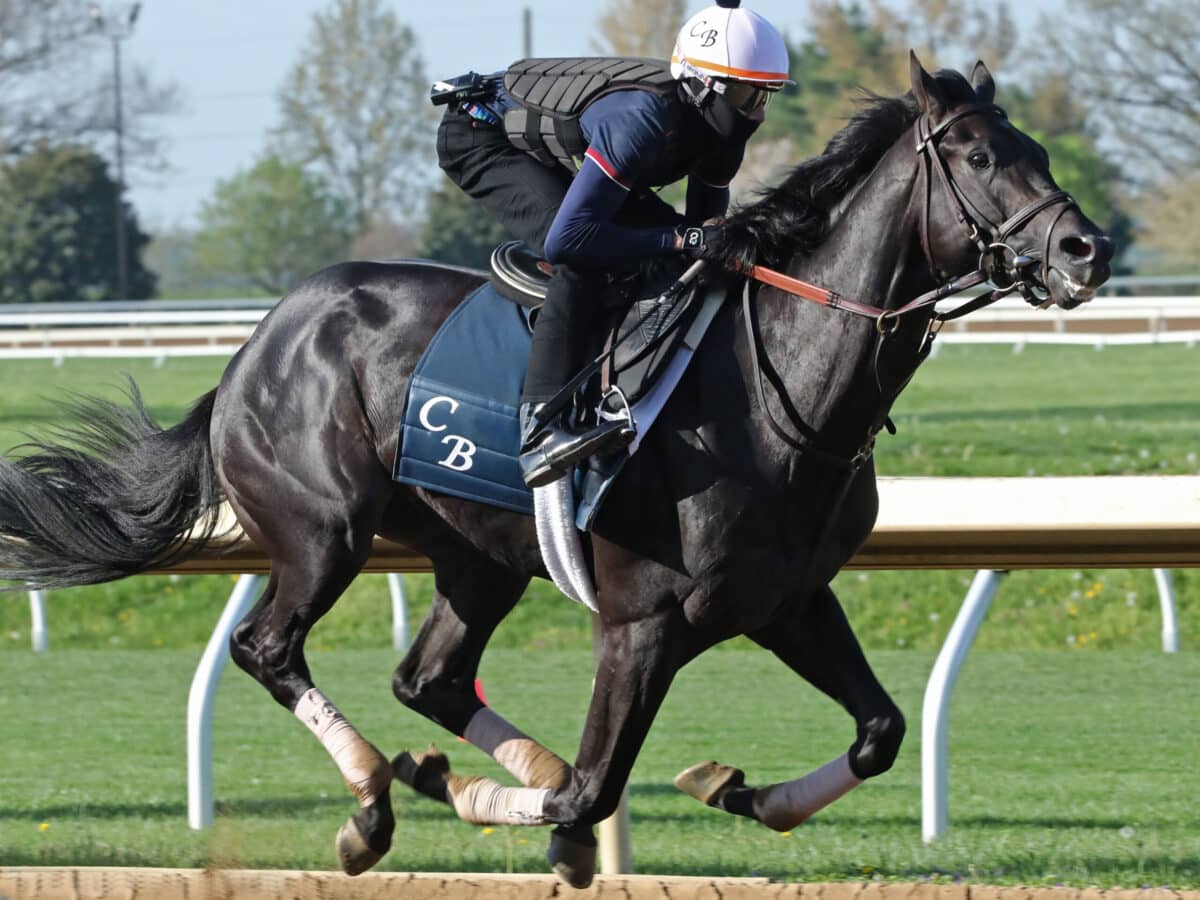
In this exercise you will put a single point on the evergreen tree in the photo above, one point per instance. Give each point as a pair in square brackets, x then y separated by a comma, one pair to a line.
[58, 230]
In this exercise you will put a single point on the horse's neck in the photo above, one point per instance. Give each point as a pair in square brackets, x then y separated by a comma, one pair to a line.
[826, 357]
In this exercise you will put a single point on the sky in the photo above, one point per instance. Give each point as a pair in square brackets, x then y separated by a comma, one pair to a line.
[229, 58]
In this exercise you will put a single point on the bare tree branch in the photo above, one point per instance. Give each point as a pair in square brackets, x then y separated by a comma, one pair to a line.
[56, 80]
[639, 27]
[1131, 61]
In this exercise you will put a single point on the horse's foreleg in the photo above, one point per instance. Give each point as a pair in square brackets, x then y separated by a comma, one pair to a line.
[815, 640]
[636, 665]
[269, 645]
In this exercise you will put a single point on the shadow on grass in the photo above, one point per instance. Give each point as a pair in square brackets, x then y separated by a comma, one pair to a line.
[1147, 412]
[410, 809]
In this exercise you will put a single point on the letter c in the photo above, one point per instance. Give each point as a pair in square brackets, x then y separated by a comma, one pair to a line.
[428, 407]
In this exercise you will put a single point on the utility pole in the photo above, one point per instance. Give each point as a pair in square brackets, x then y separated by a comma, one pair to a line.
[117, 25]
[527, 33]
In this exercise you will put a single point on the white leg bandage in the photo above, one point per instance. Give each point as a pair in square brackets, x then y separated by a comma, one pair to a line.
[786, 805]
[360, 763]
[482, 801]
[527, 760]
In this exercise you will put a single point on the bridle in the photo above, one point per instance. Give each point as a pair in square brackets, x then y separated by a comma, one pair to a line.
[1005, 268]
[1008, 270]
[999, 263]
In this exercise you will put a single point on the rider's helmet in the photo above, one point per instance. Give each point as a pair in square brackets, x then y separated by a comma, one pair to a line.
[730, 61]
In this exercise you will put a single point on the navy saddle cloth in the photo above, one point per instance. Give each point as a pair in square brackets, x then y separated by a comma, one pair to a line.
[460, 434]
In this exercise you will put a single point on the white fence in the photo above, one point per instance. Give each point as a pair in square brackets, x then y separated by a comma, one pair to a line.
[161, 330]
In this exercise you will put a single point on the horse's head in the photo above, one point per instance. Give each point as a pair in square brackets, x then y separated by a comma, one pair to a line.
[991, 201]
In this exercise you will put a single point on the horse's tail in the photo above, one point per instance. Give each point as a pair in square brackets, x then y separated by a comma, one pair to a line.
[112, 495]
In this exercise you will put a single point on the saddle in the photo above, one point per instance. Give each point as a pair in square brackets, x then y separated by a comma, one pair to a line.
[643, 323]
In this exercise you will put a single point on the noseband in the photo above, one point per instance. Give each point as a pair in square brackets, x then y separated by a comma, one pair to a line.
[1006, 268]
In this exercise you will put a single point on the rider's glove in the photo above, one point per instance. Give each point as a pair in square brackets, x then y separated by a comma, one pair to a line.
[702, 241]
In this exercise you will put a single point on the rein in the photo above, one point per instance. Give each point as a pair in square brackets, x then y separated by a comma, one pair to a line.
[998, 263]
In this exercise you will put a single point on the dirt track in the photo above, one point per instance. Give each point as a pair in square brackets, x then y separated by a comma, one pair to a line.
[195, 884]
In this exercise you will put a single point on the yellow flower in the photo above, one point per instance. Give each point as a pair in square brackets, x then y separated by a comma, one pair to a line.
[1072, 609]
[44, 827]
[785, 834]
[489, 831]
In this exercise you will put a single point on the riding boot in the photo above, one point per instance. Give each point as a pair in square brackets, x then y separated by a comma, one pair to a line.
[549, 452]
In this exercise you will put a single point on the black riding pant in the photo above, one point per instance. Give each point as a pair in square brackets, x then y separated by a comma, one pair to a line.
[524, 195]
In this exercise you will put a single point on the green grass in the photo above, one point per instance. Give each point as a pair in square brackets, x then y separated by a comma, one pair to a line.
[976, 410]
[1063, 770]
[1075, 767]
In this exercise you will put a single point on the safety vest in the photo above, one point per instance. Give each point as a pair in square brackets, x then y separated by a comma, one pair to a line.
[552, 93]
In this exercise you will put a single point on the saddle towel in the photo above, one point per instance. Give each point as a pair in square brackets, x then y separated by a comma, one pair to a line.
[460, 432]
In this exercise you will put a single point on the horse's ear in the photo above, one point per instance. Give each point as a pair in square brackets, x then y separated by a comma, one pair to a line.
[926, 90]
[981, 80]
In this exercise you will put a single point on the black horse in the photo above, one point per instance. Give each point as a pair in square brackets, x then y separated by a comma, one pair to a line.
[743, 503]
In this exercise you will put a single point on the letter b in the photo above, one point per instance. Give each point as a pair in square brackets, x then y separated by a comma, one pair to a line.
[462, 457]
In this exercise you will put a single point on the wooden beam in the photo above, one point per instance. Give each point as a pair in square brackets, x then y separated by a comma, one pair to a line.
[1115, 522]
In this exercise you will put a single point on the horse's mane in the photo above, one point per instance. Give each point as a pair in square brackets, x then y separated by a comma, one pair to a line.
[793, 217]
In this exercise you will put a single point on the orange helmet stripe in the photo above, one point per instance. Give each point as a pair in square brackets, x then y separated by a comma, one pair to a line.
[748, 74]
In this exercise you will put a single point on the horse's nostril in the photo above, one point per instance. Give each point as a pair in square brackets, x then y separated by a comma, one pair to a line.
[1078, 246]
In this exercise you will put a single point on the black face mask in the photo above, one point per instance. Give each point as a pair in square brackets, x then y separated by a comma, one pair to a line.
[717, 113]
[727, 121]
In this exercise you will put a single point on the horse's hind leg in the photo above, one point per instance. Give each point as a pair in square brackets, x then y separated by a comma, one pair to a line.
[815, 640]
[269, 645]
[436, 678]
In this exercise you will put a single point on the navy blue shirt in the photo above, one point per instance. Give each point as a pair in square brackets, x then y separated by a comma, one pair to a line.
[637, 141]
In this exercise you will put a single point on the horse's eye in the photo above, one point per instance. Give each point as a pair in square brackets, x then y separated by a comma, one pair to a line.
[979, 160]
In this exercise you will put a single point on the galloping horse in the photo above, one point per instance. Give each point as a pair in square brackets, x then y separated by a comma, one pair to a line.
[742, 504]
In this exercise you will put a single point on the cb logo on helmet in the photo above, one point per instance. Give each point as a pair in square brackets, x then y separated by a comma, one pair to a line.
[708, 37]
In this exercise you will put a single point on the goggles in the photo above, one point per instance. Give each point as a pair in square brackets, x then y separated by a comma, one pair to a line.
[745, 96]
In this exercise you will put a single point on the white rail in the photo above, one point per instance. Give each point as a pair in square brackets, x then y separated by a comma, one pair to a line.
[164, 330]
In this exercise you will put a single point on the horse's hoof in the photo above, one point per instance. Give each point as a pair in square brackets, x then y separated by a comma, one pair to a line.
[425, 773]
[572, 855]
[353, 852]
[707, 781]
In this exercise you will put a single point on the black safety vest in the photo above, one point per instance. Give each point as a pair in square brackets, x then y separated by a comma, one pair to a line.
[552, 94]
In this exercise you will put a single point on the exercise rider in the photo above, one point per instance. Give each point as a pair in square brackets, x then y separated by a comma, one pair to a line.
[565, 155]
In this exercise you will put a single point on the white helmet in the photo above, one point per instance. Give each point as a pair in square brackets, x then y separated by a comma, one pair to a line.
[726, 42]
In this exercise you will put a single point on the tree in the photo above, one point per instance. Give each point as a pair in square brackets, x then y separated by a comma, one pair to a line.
[385, 239]
[639, 28]
[56, 80]
[459, 231]
[1170, 226]
[1132, 63]
[57, 234]
[955, 33]
[846, 54]
[272, 224]
[355, 107]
